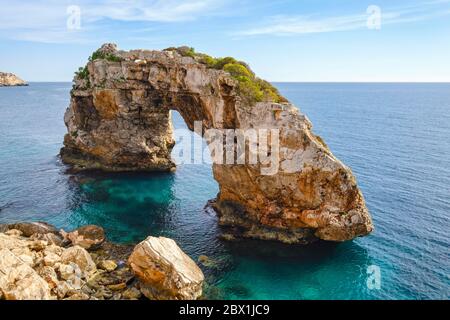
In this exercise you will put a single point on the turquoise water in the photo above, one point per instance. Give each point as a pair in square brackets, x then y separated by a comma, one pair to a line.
[395, 137]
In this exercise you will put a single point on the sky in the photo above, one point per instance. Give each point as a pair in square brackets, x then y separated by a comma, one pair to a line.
[284, 40]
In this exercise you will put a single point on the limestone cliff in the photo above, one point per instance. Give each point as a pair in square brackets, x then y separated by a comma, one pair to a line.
[9, 79]
[119, 120]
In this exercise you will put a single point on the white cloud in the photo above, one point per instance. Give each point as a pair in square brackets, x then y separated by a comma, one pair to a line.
[156, 10]
[45, 20]
[306, 24]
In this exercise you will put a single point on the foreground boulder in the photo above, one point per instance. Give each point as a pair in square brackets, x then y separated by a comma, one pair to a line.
[165, 271]
[119, 120]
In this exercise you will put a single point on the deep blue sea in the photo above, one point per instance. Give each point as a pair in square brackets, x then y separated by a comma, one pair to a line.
[395, 137]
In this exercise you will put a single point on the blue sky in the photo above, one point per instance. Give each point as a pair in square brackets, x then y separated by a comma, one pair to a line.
[285, 40]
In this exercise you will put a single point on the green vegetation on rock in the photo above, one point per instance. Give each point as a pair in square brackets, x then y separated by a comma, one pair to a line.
[106, 56]
[250, 87]
[82, 73]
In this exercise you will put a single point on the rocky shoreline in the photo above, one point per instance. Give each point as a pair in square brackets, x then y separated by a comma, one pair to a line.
[10, 80]
[39, 262]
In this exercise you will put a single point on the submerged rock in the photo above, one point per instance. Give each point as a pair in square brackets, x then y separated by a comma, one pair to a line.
[165, 271]
[9, 79]
[208, 262]
[119, 120]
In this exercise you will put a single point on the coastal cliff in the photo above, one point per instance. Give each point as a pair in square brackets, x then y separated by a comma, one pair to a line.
[10, 80]
[119, 120]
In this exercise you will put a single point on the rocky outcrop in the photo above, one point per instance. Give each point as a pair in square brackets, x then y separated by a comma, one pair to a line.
[10, 80]
[36, 269]
[297, 191]
[30, 228]
[165, 271]
[87, 237]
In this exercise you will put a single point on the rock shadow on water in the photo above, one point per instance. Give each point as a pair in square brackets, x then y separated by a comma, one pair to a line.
[130, 206]
[317, 271]
[262, 250]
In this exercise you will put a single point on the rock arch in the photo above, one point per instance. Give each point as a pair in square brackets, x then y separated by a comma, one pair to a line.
[119, 120]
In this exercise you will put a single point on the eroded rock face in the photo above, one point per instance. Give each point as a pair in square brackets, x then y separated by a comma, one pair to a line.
[119, 120]
[165, 271]
[9, 79]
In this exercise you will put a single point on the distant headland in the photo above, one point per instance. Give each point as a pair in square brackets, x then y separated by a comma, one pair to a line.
[10, 80]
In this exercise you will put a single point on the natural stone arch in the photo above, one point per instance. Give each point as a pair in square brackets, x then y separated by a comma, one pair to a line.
[119, 120]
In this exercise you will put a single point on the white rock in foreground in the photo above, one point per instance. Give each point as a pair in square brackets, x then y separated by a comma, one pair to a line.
[18, 281]
[165, 271]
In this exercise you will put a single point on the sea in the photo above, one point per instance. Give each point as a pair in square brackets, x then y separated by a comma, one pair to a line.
[394, 137]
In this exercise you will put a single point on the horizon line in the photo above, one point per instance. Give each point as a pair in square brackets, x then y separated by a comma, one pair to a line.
[300, 81]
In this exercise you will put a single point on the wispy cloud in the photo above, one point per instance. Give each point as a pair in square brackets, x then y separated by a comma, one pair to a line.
[306, 24]
[46, 20]
[156, 10]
